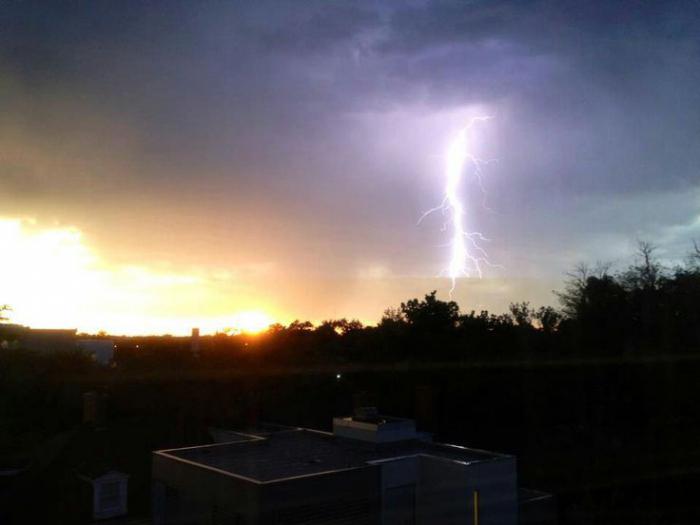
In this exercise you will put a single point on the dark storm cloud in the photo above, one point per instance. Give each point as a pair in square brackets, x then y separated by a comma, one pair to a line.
[277, 114]
[305, 31]
[619, 77]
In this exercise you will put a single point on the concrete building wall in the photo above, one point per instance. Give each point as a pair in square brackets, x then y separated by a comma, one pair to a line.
[399, 481]
[420, 490]
[335, 497]
[497, 483]
[49, 340]
[399, 472]
[445, 492]
[184, 493]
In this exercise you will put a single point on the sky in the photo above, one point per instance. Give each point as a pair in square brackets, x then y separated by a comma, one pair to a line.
[172, 164]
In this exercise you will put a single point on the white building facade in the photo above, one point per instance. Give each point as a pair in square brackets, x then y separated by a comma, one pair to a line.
[371, 470]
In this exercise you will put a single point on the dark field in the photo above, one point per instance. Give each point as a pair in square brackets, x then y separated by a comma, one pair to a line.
[614, 440]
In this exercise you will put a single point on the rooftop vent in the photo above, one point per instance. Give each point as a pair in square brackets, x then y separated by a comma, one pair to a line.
[368, 425]
[367, 414]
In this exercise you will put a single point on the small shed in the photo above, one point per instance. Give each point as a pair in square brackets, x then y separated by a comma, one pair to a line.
[109, 491]
[101, 350]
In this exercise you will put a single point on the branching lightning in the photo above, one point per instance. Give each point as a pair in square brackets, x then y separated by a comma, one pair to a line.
[467, 255]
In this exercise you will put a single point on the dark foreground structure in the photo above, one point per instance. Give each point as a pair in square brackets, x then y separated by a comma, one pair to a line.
[372, 469]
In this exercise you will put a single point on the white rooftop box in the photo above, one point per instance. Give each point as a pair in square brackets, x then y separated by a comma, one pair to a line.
[367, 425]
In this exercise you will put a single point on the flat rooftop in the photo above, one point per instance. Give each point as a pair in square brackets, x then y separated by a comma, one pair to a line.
[303, 452]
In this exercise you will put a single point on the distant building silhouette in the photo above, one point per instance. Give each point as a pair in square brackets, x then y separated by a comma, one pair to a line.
[101, 350]
[49, 339]
[194, 342]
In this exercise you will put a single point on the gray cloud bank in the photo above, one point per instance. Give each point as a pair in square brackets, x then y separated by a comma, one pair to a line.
[297, 132]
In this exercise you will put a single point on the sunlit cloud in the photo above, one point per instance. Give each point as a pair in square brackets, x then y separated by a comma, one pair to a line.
[375, 272]
[250, 322]
[52, 278]
[290, 181]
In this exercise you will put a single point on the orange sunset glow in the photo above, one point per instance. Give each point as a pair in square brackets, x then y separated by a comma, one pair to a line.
[54, 279]
[306, 262]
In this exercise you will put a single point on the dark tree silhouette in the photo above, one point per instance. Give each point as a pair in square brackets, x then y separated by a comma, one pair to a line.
[4, 308]
[647, 273]
[522, 314]
[430, 314]
[340, 326]
[300, 326]
[548, 318]
[392, 318]
[572, 298]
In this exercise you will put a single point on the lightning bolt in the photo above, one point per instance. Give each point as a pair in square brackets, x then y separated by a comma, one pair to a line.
[467, 255]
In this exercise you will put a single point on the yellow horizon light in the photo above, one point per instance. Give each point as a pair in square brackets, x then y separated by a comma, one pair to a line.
[251, 322]
[53, 279]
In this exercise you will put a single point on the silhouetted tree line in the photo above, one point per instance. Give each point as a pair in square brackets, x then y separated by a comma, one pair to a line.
[576, 424]
[645, 308]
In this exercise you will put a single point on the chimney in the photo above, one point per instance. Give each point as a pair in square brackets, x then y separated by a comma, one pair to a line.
[93, 408]
[367, 414]
[194, 342]
[362, 398]
[425, 408]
